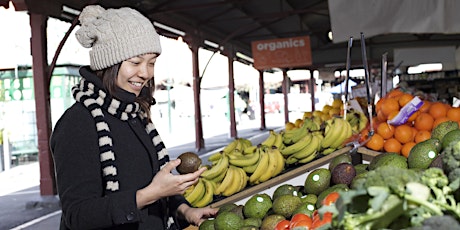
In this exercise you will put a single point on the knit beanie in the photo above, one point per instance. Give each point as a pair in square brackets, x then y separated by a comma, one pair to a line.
[115, 35]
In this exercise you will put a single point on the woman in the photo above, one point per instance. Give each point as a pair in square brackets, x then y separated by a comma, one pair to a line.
[112, 168]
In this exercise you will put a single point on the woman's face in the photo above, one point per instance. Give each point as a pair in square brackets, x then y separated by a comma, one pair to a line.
[135, 72]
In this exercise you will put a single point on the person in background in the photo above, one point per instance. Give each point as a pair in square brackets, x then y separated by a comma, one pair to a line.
[112, 169]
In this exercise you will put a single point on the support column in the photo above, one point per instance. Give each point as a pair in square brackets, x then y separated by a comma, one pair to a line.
[38, 42]
[285, 88]
[194, 46]
[231, 94]
[312, 87]
[262, 100]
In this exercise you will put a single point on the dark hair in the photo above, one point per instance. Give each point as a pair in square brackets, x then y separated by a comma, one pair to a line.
[109, 80]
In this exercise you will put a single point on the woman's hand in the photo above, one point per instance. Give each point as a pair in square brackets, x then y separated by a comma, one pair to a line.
[196, 216]
[166, 184]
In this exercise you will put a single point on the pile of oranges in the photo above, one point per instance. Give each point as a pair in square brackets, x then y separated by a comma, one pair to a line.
[400, 139]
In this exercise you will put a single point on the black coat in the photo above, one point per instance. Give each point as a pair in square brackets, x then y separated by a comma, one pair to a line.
[75, 150]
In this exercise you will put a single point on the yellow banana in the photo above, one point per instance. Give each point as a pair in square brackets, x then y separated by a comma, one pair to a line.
[270, 140]
[226, 182]
[294, 135]
[208, 195]
[272, 165]
[245, 143]
[363, 121]
[230, 147]
[310, 149]
[245, 178]
[291, 149]
[234, 187]
[220, 167]
[280, 159]
[218, 178]
[332, 132]
[197, 193]
[346, 132]
[278, 140]
[328, 151]
[245, 160]
[261, 168]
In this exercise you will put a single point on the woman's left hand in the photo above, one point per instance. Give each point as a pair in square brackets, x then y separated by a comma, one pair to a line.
[196, 216]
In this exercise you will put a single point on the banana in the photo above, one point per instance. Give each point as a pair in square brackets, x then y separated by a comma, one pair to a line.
[308, 159]
[346, 132]
[235, 154]
[272, 165]
[332, 132]
[250, 149]
[245, 178]
[245, 160]
[226, 182]
[363, 121]
[245, 143]
[328, 151]
[278, 140]
[310, 149]
[270, 140]
[291, 149]
[261, 168]
[219, 177]
[236, 184]
[208, 195]
[294, 135]
[197, 193]
[220, 167]
[230, 147]
[280, 159]
[215, 157]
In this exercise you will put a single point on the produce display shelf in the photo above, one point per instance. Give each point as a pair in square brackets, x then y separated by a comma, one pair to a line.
[289, 174]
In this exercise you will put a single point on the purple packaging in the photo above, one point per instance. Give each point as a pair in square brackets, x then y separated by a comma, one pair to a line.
[406, 111]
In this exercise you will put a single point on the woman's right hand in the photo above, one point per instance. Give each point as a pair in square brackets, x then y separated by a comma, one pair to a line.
[166, 184]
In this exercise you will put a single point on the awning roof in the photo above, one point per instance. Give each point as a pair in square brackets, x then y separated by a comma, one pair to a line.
[234, 24]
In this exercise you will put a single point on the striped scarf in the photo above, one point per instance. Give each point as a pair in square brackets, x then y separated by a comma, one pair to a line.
[96, 100]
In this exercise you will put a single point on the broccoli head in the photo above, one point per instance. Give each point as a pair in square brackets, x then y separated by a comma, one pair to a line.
[451, 158]
[393, 177]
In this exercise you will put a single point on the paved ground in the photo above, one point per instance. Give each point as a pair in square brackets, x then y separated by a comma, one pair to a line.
[22, 207]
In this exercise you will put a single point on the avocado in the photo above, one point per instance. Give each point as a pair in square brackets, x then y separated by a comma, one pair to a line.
[344, 157]
[453, 135]
[190, 162]
[343, 173]
[443, 128]
[423, 153]
[388, 158]
[317, 181]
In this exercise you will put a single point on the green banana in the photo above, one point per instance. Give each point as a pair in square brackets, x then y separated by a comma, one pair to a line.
[291, 149]
[250, 149]
[208, 195]
[328, 151]
[215, 157]
[308, 159]
[245, 160]
[230, 146]
[220, 167]
[310, 149]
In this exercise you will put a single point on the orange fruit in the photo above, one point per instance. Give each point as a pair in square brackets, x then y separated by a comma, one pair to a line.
[439, 120]
[392, 146]
[394, 93]
[392, 115]
[389, 105]
[404, 99]
[437, 110]
[405, 150]
[413, 116]
[404, 134]
[454, 114]
[378, 104]
[425, 106]
[385, 130]
[381, 117]
[422, 135]
[376, 142]
[424, 121]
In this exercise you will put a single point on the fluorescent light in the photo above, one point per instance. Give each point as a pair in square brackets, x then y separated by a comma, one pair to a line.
[212, 44]
[422, 68]
[69, 10]
[243, 56]
[170, 29]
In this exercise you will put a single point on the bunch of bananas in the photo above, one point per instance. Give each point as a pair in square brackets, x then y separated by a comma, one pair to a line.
[305, 150]
[201, 193]
[270, 164]
[294, 135]
[336, 131]
[357, 120]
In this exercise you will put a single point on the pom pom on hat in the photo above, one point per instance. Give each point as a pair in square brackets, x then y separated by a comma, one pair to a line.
[115, 35]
